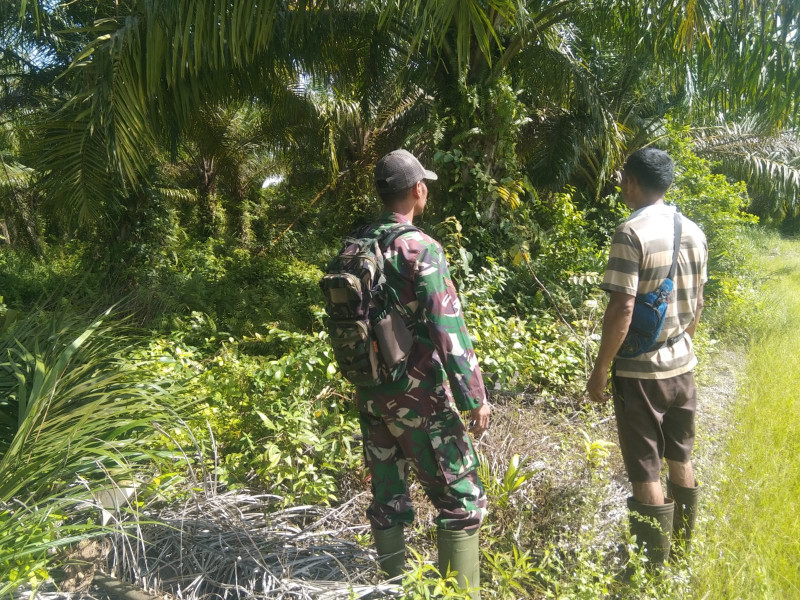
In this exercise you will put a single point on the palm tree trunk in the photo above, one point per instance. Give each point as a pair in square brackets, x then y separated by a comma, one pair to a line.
[4, 233]
[211, 214]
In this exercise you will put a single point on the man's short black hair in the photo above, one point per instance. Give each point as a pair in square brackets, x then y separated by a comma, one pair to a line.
[652, 168]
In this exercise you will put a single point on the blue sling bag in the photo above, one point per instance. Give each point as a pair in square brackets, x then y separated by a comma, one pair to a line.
[650, 311]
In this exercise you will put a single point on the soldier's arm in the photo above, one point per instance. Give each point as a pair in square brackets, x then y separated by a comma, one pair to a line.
[442, 312]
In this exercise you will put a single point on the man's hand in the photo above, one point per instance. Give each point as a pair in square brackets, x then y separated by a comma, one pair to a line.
[596, 386]
[616, 321]
[480, 418]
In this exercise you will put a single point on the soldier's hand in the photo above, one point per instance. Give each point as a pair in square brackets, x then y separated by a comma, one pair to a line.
[479, 418]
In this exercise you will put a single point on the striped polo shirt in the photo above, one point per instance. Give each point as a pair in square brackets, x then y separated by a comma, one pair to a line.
[639, 260]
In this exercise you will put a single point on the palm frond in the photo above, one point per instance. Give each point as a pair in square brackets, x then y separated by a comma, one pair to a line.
[79, 419]
[767, 162]
[77, 404]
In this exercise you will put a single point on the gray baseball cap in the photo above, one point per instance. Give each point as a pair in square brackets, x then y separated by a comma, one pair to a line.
[398, 171]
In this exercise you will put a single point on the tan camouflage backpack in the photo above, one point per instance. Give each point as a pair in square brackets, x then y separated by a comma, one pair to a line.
[370, 336]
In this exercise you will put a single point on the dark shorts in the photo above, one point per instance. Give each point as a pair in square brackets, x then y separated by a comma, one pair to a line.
[655, 420]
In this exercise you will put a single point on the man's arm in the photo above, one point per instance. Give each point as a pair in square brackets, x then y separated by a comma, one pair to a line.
[697, 312]
[616, 321]
[448, 332]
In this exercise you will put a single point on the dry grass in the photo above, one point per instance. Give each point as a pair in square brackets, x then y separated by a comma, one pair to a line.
[236, 544]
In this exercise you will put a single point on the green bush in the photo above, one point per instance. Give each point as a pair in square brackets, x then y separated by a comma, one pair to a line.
[520, 351]
[238, 289]
[65, 270]
[277, 407]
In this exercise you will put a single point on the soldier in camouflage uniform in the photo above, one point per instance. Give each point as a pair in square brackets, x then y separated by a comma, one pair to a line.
[414, 423]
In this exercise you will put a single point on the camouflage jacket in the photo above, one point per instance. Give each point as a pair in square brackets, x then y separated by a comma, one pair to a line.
[442, 366]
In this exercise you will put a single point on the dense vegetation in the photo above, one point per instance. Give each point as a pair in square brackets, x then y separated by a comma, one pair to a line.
[193, 165]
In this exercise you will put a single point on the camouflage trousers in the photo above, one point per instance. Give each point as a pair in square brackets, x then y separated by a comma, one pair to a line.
[438, 450]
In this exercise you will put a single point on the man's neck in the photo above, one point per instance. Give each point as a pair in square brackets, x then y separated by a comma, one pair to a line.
[403, 210]
[643, 202]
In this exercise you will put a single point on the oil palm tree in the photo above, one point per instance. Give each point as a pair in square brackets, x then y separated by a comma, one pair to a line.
[146, 67]
[768, 162]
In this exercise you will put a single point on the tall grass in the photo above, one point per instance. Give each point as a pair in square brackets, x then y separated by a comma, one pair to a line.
[751, 542]
[76, 419]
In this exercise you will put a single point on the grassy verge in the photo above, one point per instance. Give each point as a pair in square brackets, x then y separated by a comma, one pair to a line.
[750, 546]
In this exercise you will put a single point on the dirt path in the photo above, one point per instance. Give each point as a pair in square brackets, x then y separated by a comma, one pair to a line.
[717, 386]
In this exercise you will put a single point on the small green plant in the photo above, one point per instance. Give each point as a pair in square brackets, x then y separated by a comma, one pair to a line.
[25, 538]
[510, 574]
[422, 581]
[596, 451]
[501, 489]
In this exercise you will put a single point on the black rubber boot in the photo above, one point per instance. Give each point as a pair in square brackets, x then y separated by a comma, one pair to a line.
[652, 526]
[391, 546]
[459, 551]
[686, 500]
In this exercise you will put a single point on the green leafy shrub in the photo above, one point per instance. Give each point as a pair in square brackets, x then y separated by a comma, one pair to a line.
[283, 415]
[235, 287]
[516, 351]
[64, 270]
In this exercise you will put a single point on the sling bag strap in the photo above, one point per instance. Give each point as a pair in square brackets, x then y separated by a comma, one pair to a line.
[676, 248]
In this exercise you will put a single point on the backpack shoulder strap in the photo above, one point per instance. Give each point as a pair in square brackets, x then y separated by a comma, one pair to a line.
[385, 238]
[392, 233]
[676, 246]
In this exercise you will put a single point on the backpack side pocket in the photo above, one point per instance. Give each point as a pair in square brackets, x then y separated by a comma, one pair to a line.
[395, 341]
[354, 351]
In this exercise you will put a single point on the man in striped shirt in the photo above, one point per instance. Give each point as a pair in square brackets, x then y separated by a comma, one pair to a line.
[654, 393]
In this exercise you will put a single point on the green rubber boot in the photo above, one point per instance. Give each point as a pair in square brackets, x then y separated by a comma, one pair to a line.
[686, 500]
[652, 526]
[391, 546]
[459, 551]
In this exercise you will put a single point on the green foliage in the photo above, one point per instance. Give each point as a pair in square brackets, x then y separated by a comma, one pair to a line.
[62, 270]
[277, 407]
[500, 489]
[513, 574]
[19, 529]
[596, 451]
[423, 581]
[518, 352]
[77, 416]
[559, 243]
[485, 187]
[236, 288]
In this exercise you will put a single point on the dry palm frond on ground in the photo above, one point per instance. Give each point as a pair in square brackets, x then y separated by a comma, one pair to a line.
[235, 545]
